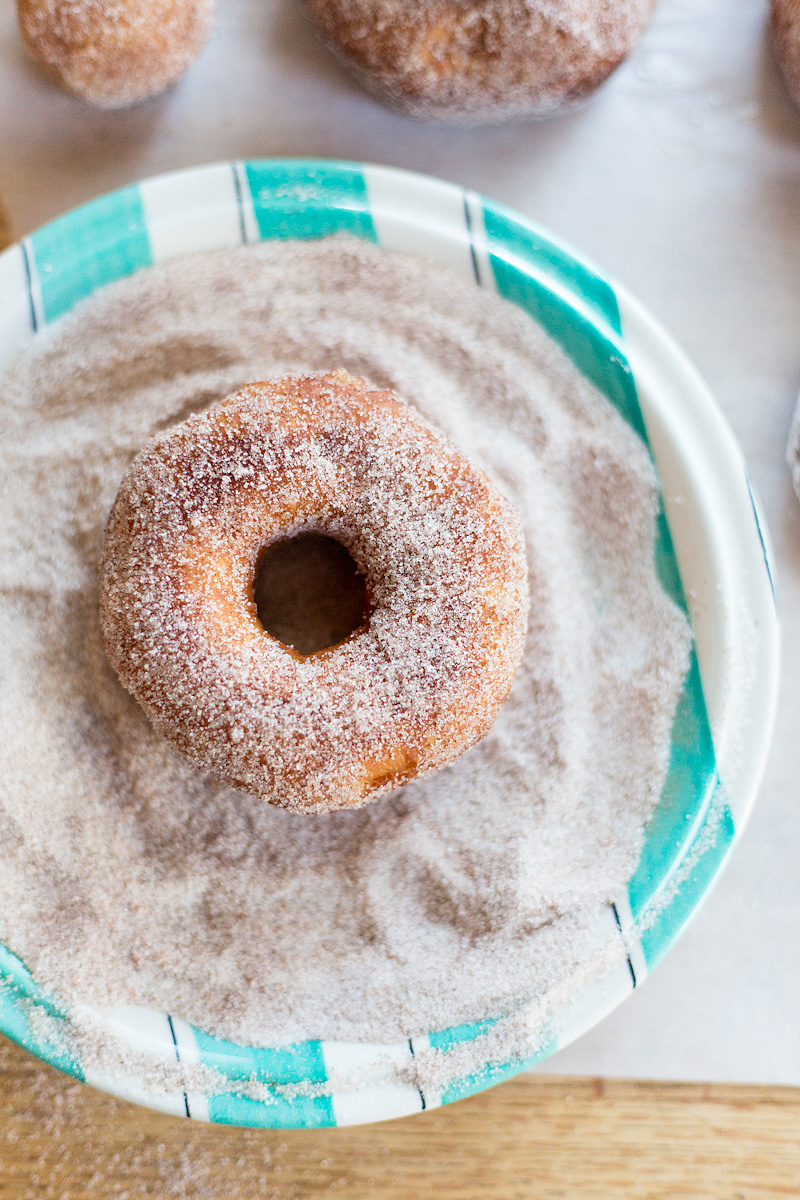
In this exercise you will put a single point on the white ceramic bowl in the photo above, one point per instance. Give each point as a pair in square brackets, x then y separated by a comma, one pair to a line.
[712, 552]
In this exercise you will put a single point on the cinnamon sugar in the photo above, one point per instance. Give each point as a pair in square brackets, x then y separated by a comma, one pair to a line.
[130, 877]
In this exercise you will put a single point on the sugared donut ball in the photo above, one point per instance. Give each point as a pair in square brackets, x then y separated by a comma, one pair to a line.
[786, 39]
[479, 61]
[5, 229]
[441, 550]
[115, 52]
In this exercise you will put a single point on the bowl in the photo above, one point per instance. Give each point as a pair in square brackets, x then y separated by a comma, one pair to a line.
[712, 555]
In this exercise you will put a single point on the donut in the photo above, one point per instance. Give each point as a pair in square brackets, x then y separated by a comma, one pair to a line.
[786, 41]
[481, 61]
[115, 52]
[441, 551]
[5, 229]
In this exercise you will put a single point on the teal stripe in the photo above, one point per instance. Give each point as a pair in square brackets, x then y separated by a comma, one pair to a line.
[685, 805]
[88, 248]
[302, 1112]
[593, 351]
[686, 798]
[492, 1072]
[445, 1039]
[295, 1064]
[711, 846]
[299, 199]
[526, 245]
[669, 575]
[18, 993]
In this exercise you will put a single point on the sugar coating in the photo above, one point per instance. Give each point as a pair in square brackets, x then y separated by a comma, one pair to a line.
[5, 228]
[785, 16]
[128, 875]
[115, 52]
[793, 449]
[481, 61]
[444, 561]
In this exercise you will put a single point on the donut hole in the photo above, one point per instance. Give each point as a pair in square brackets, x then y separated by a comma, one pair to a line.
[309, 593]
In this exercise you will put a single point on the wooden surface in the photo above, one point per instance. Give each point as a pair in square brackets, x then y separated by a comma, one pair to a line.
[535, 1138]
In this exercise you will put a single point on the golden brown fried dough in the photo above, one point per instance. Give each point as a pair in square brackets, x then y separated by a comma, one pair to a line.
[115, 52]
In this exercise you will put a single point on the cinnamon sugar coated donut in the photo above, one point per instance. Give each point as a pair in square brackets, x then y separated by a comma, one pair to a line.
[115, 52]
[443, 556]
[786, 40]
[479, 61]
[5, 229]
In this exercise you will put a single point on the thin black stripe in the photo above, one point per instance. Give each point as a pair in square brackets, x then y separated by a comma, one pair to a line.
[240, 201]
[178, 1056]
[29, 277]
[419, 1089]
[468, 218]
[761, 539]
[622, 935]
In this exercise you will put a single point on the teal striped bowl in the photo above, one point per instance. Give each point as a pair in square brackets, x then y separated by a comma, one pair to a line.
[711, 547]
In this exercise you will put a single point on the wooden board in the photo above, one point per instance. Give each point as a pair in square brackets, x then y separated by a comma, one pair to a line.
[534, 1138]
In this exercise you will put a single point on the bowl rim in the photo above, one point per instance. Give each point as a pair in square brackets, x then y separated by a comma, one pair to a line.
[721, 545]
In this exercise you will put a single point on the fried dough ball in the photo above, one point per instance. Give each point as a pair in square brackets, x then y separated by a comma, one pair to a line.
[786, 40]
[115, 52]
[481, 61]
